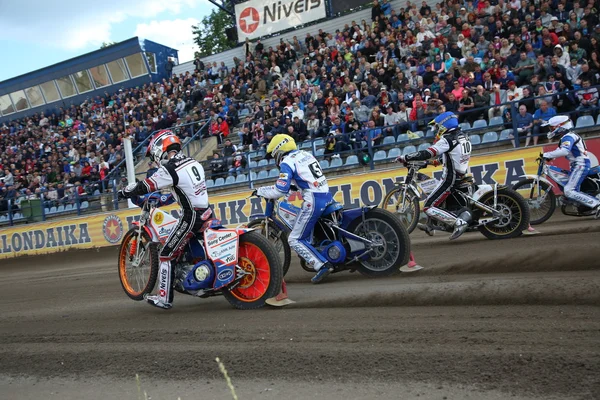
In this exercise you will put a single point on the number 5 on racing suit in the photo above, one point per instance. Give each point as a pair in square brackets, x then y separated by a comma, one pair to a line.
[304, 170]
[185, 176]
[455, 149]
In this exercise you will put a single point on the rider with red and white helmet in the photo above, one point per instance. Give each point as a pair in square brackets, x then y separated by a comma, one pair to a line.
[185, 177]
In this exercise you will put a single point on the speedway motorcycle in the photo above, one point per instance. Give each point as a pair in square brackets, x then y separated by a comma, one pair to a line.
[538, 190]
[238, 263]
[368, 239]
[497, 212]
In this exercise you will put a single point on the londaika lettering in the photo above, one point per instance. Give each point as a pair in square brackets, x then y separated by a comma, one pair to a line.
[37, 239]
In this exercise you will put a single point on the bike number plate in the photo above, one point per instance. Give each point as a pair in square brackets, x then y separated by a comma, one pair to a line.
[288, 213]
[222, 249]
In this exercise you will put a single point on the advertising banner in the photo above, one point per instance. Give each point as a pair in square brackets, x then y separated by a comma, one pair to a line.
[256, 18]
[352, 190]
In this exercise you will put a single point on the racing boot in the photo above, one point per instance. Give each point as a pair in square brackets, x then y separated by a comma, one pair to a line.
[322, 273]
[156, 301]
[461, 225]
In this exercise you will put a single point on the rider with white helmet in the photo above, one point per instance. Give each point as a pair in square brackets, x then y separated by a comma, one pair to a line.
[185, 176]
[572, 146]
[303, 169]
[454, 147]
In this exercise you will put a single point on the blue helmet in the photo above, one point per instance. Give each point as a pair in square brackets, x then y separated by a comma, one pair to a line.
[443, 123]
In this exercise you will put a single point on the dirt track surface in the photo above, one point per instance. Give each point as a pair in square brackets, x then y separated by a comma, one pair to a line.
[486, 319]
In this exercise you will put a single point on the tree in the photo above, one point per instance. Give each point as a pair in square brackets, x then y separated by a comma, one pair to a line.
[210, 35]
[107, 44]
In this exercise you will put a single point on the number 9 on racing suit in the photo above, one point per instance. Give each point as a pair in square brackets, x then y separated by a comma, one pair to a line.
[303, 169]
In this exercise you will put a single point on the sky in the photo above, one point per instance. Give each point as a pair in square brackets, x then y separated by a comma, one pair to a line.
[38, 33]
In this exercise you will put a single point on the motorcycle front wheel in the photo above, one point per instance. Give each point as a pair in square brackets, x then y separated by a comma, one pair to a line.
[279, 238]
[405, 205]
[138, 274]
[540, 209]
[262, 274]
[391, 242]
[514, 215]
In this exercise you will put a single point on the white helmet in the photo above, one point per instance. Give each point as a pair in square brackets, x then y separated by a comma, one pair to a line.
[559, 125]
[161, 144]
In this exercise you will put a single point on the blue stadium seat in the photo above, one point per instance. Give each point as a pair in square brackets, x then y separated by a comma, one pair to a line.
[598, 120]
[353, 160]
[219, 182]
[84, 205]
[271, 161]
[52, 210]
[496, 121]
[46, 211]
[262, 175]
[423, 146]
[253, 175]
[17, 216]
[480, 124]
[263, 163]
[408, 150]
[230, 180]
[3, 218]
[210, 183]
[273, 173]
[96, 193]
[584, 121]
[335, 163]
[241, 178]
[69, 207]
[379, 155]
[305, 145]
[504, 134]
[389, 140]
[419, 134]
[465, 126]
[319, 152]
[319, 142]
[324, 164]
[393, 153]
[489, 137]
[60, 208]
[429, 133]
[403, 137]
[252, 164]
[475, 139]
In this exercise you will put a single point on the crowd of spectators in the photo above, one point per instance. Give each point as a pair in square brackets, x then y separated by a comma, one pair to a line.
[366, 80]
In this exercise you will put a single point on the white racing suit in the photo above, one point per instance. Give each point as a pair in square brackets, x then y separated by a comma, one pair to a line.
[185, 176]
[573, 147]
[302, 168]
[455, 149]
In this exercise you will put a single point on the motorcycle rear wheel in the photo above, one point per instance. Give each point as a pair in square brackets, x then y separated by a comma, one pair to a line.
[383, 227]
[539, 213]
[395, 199]
[279, 239]
[259, 259]
[143, 278]
[516, 215]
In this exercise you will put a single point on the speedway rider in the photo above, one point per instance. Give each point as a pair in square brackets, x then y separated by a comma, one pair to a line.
[185, 176]
[454, 147]
[303, 169]
[572, 146]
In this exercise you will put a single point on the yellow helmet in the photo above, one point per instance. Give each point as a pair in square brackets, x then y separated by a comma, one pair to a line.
[280, 145]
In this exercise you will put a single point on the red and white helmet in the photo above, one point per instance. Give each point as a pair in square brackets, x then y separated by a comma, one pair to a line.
[161, 144]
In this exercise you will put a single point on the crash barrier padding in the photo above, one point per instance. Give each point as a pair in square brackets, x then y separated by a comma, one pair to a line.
[352, 190]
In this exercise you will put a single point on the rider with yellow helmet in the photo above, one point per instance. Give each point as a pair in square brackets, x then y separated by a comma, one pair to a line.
[302, 169]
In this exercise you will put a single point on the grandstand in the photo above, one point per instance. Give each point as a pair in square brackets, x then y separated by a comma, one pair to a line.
[372, 79]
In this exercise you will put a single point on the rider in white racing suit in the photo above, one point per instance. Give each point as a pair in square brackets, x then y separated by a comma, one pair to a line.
[455, 149]
[185, 176]
[572, 146]
[304, 170]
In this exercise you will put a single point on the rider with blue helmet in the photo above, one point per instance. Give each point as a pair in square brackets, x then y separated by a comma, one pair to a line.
[454, 148]
[572, 146]
[303, 169]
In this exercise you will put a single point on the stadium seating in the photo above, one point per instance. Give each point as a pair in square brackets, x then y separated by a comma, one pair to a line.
[379, 155]
[584, 121]
[241, 178]
[335, 163]
[479, 124]
[210, 183]
[324, 164]
[504, 135]
[219, 182]
[273, 173]
[229, 180]
[408, 150]
[394, 153]
[389, 140]
[403, 137]
[494, 121]
[489, 137]
[475, 139]
[353, 160]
